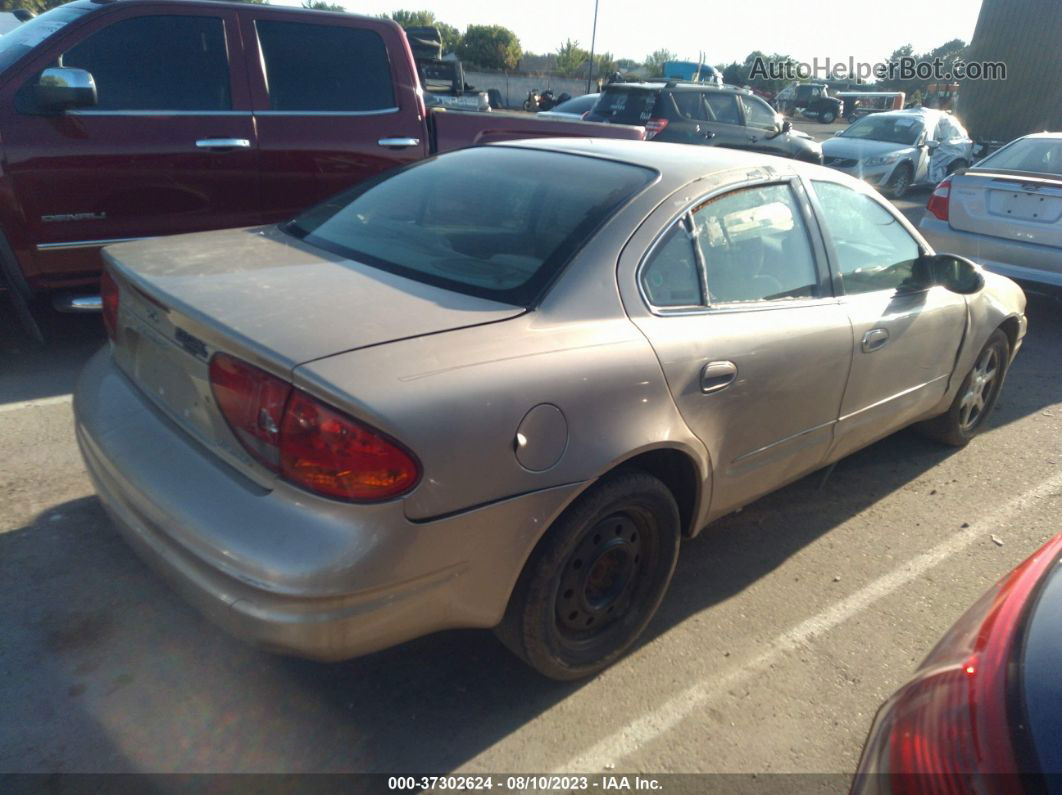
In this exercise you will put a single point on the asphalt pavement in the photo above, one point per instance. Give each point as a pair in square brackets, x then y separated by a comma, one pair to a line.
[785, 627]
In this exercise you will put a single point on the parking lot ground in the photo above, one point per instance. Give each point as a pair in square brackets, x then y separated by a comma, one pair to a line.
[785, 627]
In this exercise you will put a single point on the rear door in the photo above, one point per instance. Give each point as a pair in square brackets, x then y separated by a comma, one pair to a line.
[332, 104]
[735, 300]
[905, 339]
[170, 146]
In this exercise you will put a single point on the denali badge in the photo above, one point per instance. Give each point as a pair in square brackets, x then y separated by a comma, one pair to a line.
[74, 217]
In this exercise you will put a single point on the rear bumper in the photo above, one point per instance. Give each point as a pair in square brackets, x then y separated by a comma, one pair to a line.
[1012, 258]
[291, 572]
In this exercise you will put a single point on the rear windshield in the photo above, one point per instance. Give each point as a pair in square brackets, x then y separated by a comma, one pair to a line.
[1032, 155]
[25, 37]
[495, 222]
[626, 105]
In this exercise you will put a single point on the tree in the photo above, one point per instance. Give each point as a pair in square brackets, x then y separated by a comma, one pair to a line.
[604, 64]
[451, 36]
[322, 5]
[571, 58]
[654, 63]
[627, 64]
[490, 47]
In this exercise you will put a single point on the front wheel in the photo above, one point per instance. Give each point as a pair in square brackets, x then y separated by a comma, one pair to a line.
[976, 397]
[900, 182]
[828, 117]
[596, 579]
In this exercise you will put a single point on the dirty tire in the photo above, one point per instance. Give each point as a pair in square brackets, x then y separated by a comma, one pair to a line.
[976, 398]
[829, 117]
[900, 182]
[596, 579]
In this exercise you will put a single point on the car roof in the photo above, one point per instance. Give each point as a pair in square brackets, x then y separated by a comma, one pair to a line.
[684, 85]
[679, 162]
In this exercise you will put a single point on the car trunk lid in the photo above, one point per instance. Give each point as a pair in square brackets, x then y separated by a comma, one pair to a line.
[268, 299]
[1020, 207]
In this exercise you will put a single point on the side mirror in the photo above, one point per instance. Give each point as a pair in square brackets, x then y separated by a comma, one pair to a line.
[786, 126]
[950, 271]
[62, 88]
[931, 145]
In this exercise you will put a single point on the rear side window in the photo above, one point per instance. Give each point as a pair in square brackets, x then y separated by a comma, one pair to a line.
[689, 104]
[157, 63]
[627, 105]
[489, 221]
[724, 107]
[325, 67]
[671, 276]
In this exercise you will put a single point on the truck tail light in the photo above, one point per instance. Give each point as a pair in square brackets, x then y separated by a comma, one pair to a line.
[654, 127]
[332, 454]
[304, 440]
[940, 199]
[109, 297]
[950, 729]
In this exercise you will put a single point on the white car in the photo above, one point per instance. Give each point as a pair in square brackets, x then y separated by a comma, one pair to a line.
[897, 149]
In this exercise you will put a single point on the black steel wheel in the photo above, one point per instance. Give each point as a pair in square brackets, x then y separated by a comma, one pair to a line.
[596, 579]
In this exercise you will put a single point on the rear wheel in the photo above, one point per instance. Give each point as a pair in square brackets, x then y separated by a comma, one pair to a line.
[977, 396]
[828, 117]
[596, 579]
[957, 165]
[900, 182]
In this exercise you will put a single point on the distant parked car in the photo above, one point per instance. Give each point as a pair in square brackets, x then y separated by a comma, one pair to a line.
[470, 393]
[707, 115]
[1006, 211]
[983, 713]
[896, 150]
[574, 108]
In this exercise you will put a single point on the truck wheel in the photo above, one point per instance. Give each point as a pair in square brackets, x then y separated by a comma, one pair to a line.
[596, 579]
[976, 398]
[828, 117]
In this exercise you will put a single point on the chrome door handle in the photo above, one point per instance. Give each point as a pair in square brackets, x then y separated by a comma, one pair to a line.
[875, 339]
[717, 375]
[398, 143]
[223, 143]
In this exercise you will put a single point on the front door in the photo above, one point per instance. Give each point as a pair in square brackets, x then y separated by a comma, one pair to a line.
[755, 349]
[169, 147]
[725, 121]
[906, 336]
[330, 106]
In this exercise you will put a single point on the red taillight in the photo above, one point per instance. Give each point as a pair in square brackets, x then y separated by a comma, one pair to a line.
[306, 441]
[949, 730]
[939, 200]
[654, 127]
[252, 402]
[109, 297]
[332, 454]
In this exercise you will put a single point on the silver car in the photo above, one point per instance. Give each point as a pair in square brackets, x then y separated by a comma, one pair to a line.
[472, 394]
[1006, 211]
[898, 149]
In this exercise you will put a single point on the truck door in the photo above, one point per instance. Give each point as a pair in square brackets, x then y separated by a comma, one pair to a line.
[334, 102]
[169, 147]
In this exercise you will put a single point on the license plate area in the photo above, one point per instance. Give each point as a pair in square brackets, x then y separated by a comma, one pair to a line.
[1023, 206]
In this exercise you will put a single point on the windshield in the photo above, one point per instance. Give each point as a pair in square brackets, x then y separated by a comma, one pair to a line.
[1032, 155]
[495, 222]
[28, 35]
[626, 105]
[894, 129]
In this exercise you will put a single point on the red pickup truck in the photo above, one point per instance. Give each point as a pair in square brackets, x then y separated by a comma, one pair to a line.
[125, 119]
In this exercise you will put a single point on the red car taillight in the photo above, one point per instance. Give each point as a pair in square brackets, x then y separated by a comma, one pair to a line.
[654, 127]
[306, 441]
[109, 297]
[949, 730]
[332, 454]
[940, 199]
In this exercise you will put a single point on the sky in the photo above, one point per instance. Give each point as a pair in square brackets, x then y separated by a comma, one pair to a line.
[725, 30]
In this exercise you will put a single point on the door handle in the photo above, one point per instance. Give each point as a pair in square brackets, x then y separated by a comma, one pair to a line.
[398, 143]
[717, 375]
[875, 339]
[223, 143]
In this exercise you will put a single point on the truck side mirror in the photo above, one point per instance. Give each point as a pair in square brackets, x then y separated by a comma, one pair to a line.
[63, 88]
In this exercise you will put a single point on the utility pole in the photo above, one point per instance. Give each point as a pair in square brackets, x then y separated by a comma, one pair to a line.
[593, 40]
